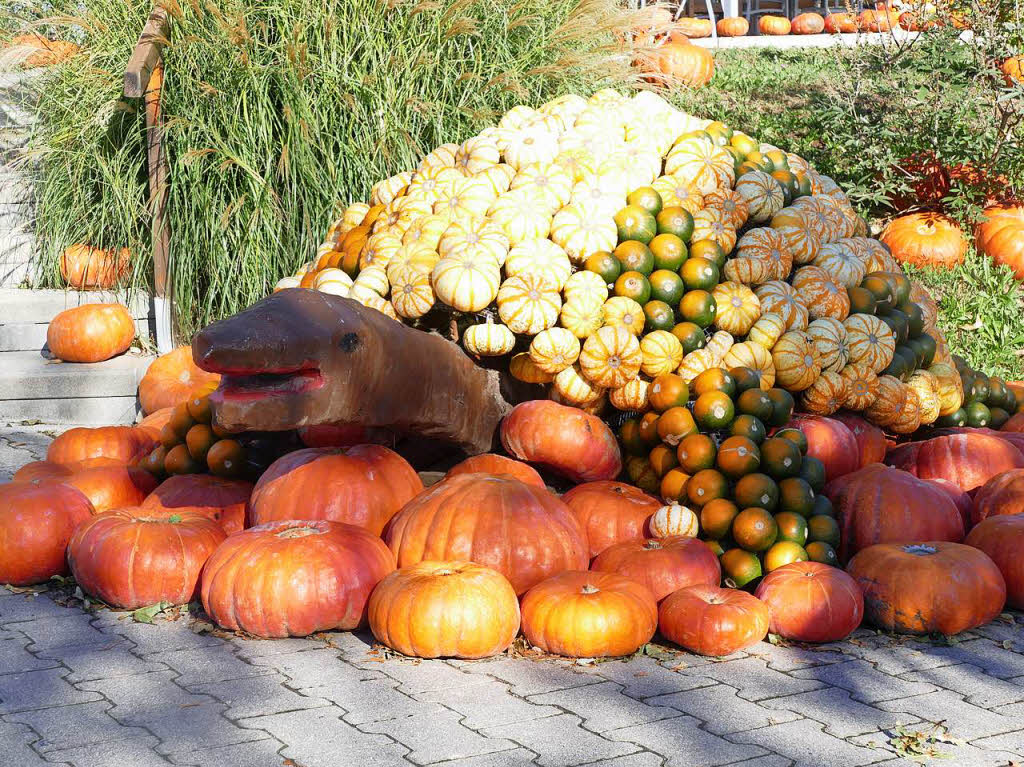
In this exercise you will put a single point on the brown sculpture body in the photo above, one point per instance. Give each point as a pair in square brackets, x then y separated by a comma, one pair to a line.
[302, 358]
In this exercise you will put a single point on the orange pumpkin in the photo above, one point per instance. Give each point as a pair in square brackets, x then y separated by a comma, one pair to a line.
[968, 460]
[663, 565]
[1002, 539]
[365, 485]
[524, 532]
[878, 21]
[445, 609]
[1002, 495]
[489, 463]
[683, 62]
[870, 439]
[42, 470]
[808, 24]
[924, 588]
[709, 620]
[171, 379]
[154, 423]
[36, 523]
[960, 499]
[86, 268]
[811, 602]
[226, 501]
[925, 239]
[774, 25]
[589, 615]
[294, 578]
[111, 487]
[836, 23]
[1012, 70]
[1000, 236]
[690, 27]
[831, 442]
[732, 26]
[90, 333]
[129, 559]
[120, 444]
[611, 512]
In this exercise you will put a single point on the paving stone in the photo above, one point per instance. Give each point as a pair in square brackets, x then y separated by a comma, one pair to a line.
[639, 759]
[975, 685]
[603, 706]
[807, 744]
[316, 668]
[753, 678]
[137, 752]
[1001, 631]
[257, 695]
[682, 740]
[425, 676]
[373, 700]
[841, 715]
[528, 677]
[319, 738]
[39, 689]
[560, 741]
[722, 710]
[142, 699]
[101, 661]
[986, 655]
[14, 658]
[947, 754]
[769, 760]
[645, 677]
[65, 727]
[203, 726]
[259, 648]
[354, 646]
[208, 664]
[256, 753]
[865, 682]
[516, 757]
[159, 637]
[899, 659]
[48, 633]
[963, 719]
[27, 607]
[783, 658]
[437, 737]
[486, 703]
[15, 739]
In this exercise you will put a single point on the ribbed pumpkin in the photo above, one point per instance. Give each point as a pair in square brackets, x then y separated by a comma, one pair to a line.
[661, 353]
[871, 342]
[467, 283]
[541, 257]
[582, 318]
[585, 286]
[226, 501]
[767, 330]
[611, 357]
[737, 307]
[831, 442]
[611, 512]
[673, 519]
[1001, 495]
[870, 439]
[840, 22]
[782, 299]
[524, 369]
[1000, 236]
[890, 400]
[1001, 539]
[490, 463]
[763, 193]
[488, 339]
[171, 379]
[702, 163]
[862, 387]
[582, 230]
[111, 487]
[713, 621]
[826, 395]
[926, 386]
[808, 24]
[118, 444]
[84, 267]
[828, 335]
[765, 244]
[842, 263]
[811, 602]
[755, 357]
[732, 205]
[90, 333]
[632, 396]
[824, 296]
[663, 565]
[689, 64]
[554, 349]
[968, 460]
[732, 26]
[747, 270]
[797, 363]
[529, 303]
[950, 387]
[774, 25]
[621, 311]
[925, 239]
[711, 224]
[573, 388]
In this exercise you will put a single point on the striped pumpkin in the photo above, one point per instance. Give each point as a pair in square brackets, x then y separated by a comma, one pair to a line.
[477, 155]
[823, 295]
[782, 299]
[488, 339]
[826, 395]
[412, 294]
[550, 182]
[541, 257]
[661, 353]
[747, 271]
[703, 163]
[754, 356]
[738, 307]
[829, 337]
[672, 520]
[575, 388]
[520, 216]
[926, 386]
[908, 420]
[524, 369]
[695, 363]
[767, 245]
[804, 243]
[554, 349]
[710, 224]
[797, 364]
[675, 192]
[582, 232]
[581, 318]
[479, 237]
[585, 286]
[611, 357]
[631, 397]
[842, 263]
[528, 303]
[732, 205]
[622, 311]
[763, 194]
[890, 398]
[767, 330]
[466, 283]
[862, 387]
[871, 341]
[949, 387]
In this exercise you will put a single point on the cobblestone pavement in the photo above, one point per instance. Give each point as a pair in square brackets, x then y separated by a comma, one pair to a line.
[94, 688]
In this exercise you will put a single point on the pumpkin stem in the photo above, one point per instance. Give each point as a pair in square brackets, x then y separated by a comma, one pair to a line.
[919, 549]
[589, 589]
[298, 532]
[649, 545]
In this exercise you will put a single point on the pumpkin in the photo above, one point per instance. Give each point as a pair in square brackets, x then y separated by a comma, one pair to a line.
[1000, 236]
[36, 523]
[522, 531]
[111, 487]
[796, 360]
[890, 400]
[573, 388]
[803, 241]
[589, 615]
[1013, 70]
[732, 26]
[702, 163]
[968, 460]
[811, 602]
[663, 565]
[925, 239]
[842, 263]
[541, 257]
[828, 336]
[529, 303]
[480, 237]
[342, 435]
[490, 463]
[118, 444]
[878, 21]
[610, 512]
[90, 333]
[41, 470]
[682, 62]
[154, 423]
[582, 230]
[924, 588]
[840, 22]
[696, 362]
[611, 357]
[711, 224]
[950, 387]
[878, 504]
[738, 307]
[1001, 539]
[831, 442]
[826, 395]
[130, 559]
[586, 287]
[84, 267]
[731, 204]
[926, 387]
[673, 520]
[554, 349]
[774, 25]
[781, 298]
[467, 283]
[755, 357]
[870, 439]
[412, 293]
[622, 311]
[488, 339]
[171, 379]
[763, 193]
[294, 578]
[768, 245]
[1001, 495]
[824, 296]
[709, 620]
[688, 26]
[808, 24]
[871, 342]
[767, 330]
[365, 486]
[520, 215]
[226, 501]
[661, 352]
[479, 608]
[632, 396]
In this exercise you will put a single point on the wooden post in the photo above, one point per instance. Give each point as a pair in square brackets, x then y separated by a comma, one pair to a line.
[143, 78]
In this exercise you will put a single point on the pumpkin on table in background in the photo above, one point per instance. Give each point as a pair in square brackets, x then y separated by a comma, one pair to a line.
[610, 513]
[583, 614]
[836, 23]
[774, 25]
[831, 442]
[294, 578]
[226, 501]
[36, 523]
[563, 439]
[878, 21]
[709, 620]
[111, 487]
[365, 485]
[489, 463]
[924, 588]
[811, 602]
[870, 439]
[808, 24]
[1003, 494]
[120, 444]
[663, 565]
[85, 268]
[688, 27]
[129, 559]
[445, 610]
[172, 378]
[732, 26]
[968, 460]
[1000, 236]
[90, 333]
[524, 532]
[1002, 539]
[683, 62]
[925, 239]
[1013, 70]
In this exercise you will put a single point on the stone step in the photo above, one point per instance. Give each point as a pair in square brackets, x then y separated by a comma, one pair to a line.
[15, 187]
[17, 251]
[83, 411]
[31, 336]
[40, 306]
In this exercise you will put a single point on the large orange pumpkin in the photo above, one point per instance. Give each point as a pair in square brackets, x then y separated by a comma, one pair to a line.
[90, 333]
[120, 444]
[489, 463]
[836, 23]
[365, 485]
[831, 442]
[811, 602]
[611, 512]
[732, 26]
[968, 460]
[870, 439]
[294, 578]
[925, 239]
[154, 423]
[524, 532]
[226, 501]
[445, 610]
[878, 20]
[683, 62]
[564, 439]
[36, 523]
[1002, 539]
[663, 565]
[111, 487]
[85, 268]
[774, 25]
[589, 615]
[129, 559]
[172, 378]
[41, 470]
[1013, 70]
[1003, 494]
[1000, 236]
[808, 24]
[924, 588]
[962, 500]
[709, 620]
[1015, 424]
[878, 504]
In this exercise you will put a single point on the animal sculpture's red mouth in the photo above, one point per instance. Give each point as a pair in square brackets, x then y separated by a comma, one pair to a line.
[250, 385]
